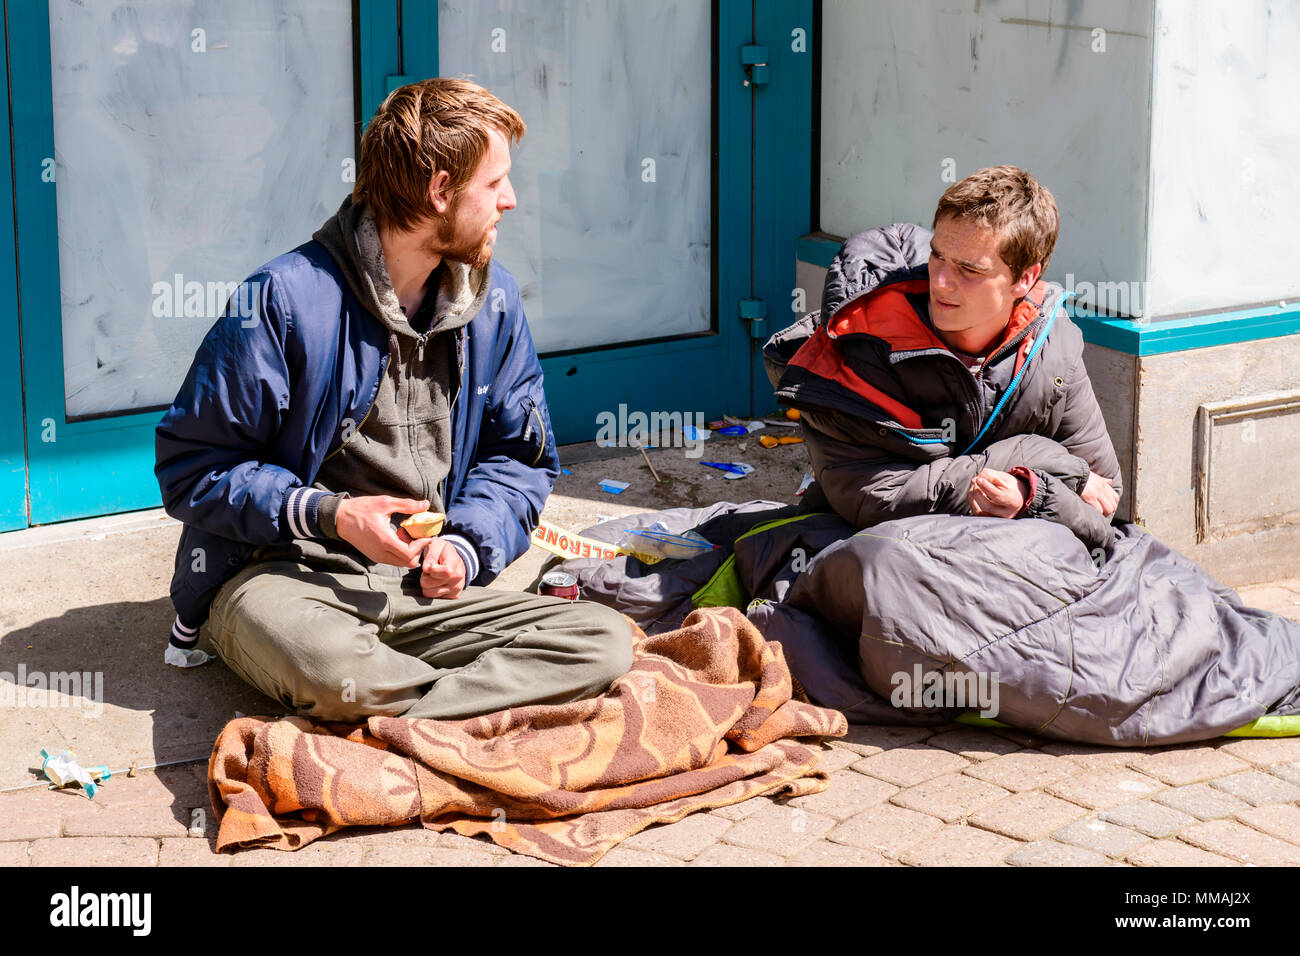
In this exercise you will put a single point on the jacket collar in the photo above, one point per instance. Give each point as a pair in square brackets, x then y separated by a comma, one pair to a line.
[352, 239]
[896, 315]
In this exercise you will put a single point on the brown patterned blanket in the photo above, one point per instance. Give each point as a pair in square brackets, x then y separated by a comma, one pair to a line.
[705, 718]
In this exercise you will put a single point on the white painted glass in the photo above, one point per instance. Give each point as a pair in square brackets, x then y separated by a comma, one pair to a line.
[194, 141]
[611, 238]
[916, 96]
[1225, 145]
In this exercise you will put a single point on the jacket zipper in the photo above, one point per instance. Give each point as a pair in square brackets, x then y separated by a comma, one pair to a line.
[975, 391]
[541, 427]
[410, 435]
[460, 381]
[1013, 343]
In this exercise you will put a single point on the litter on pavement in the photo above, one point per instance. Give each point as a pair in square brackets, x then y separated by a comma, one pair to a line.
[658, 541]
[179, 657]
[566, 544]
[641, 448]
[64, 771]
[733, 469]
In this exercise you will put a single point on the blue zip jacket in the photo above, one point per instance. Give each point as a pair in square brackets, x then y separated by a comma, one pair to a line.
[282, 379]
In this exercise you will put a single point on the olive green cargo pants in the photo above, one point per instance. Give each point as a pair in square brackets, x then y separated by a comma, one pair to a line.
[340, 646]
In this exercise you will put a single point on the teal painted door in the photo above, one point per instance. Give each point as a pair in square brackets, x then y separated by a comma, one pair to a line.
[159, 154]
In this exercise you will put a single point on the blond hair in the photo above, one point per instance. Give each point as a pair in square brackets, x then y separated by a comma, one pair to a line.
[1020, 211]
[418, 131]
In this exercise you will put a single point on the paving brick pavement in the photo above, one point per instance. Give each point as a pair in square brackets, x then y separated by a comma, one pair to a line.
[1257, 788]
[1028, 816]
[960, 846]
[1147, 816]
[1201, 801]
[1024, 770]
[943, 796]
[1183, 765]
[918, 796]
[906, 766]
[1108, 839]
[951, 798]
[1052, 853]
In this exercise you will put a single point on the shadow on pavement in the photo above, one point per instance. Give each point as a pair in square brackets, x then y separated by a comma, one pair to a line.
[119, 702]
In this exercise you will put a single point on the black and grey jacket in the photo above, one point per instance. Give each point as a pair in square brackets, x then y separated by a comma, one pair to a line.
[896, 424]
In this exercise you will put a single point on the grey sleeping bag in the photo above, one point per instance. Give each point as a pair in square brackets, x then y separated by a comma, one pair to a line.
[1145, 649]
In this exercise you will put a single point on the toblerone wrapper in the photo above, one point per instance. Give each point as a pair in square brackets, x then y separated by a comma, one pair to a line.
[569, 545]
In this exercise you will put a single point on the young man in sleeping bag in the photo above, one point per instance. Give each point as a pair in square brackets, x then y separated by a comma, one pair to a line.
[942, 375]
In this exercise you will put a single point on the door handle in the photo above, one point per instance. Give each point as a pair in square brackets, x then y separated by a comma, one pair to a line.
[754, 59]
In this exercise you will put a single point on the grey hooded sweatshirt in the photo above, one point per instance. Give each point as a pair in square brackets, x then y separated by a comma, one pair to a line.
[402, 446]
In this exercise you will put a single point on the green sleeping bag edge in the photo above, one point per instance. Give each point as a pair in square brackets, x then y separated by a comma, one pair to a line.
[725, 588]
[1288, 726]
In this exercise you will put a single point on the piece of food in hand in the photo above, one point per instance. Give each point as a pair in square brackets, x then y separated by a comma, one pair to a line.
[426, 524]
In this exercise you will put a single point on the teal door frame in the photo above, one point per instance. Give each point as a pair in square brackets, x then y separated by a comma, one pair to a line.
[783, 185]
[13, 450]
[102, 465]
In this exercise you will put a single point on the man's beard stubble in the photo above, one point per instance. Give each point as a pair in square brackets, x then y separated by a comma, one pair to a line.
[476, 252]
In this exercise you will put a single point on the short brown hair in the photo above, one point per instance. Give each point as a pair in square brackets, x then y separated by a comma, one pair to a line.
[418, 131]
[1020, 211]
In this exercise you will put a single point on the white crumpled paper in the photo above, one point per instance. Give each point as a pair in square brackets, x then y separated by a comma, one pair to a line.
[178, 657]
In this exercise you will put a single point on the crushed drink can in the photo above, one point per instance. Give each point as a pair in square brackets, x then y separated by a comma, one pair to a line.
[559, 584]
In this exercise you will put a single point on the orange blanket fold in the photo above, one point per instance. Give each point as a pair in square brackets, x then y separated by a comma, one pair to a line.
[705, 718]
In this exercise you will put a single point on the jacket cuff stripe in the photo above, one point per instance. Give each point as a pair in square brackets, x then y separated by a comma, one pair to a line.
[289, 510]
[300, 507]
[467, 554]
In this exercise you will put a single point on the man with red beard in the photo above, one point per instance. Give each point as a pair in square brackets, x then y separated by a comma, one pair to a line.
[386, 369]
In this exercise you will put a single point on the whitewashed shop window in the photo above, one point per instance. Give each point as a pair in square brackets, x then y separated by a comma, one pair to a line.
[611, 239]
[194, 140]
